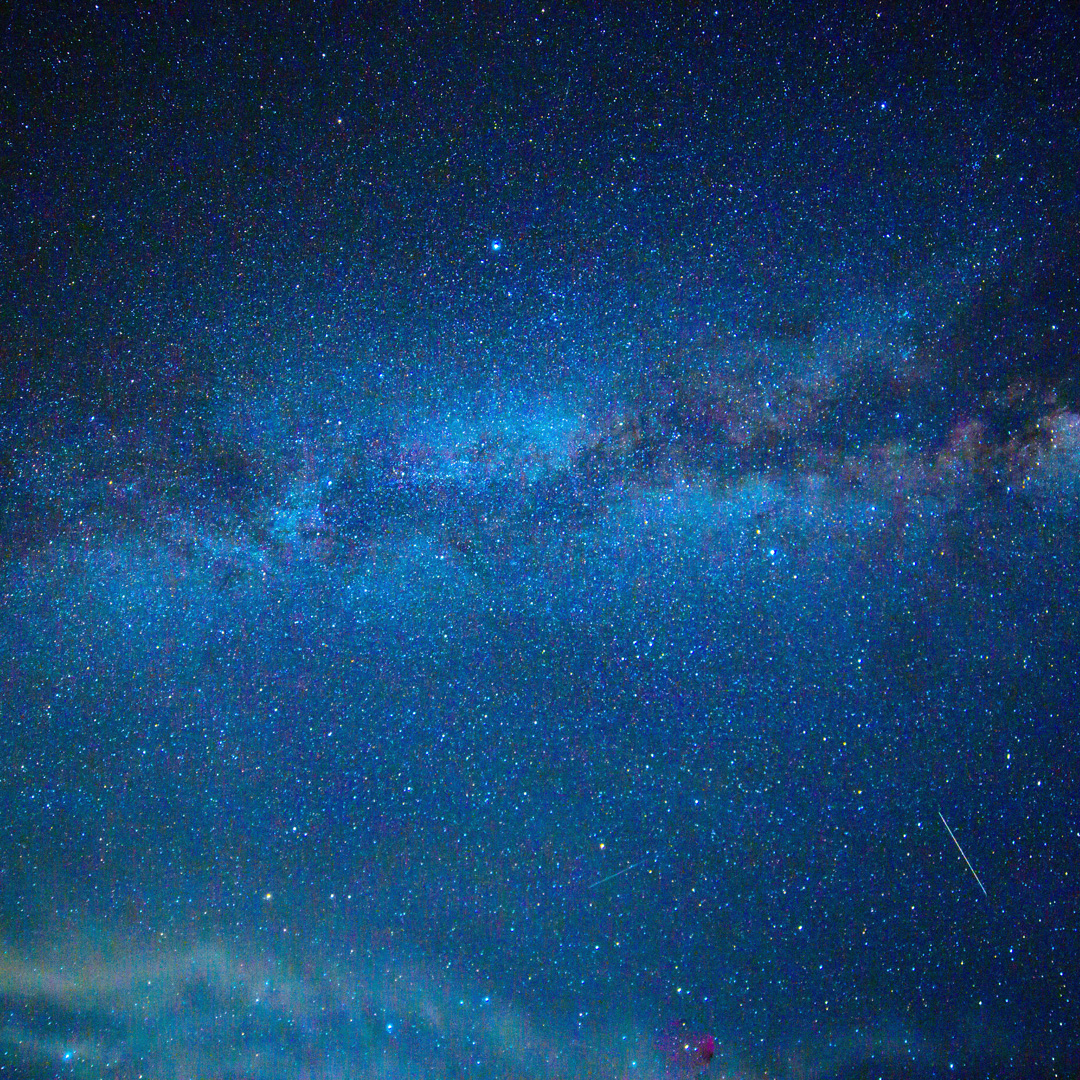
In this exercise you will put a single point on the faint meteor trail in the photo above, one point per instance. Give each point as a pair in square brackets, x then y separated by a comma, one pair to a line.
[619, 873]
[962, 855]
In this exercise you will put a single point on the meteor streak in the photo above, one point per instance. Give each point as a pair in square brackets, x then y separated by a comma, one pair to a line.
[962, 855]
[619, 873]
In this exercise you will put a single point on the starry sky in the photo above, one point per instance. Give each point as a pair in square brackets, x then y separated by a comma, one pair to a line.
[534, 533]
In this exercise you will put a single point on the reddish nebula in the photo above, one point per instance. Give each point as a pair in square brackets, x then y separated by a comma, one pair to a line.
[686, 1052]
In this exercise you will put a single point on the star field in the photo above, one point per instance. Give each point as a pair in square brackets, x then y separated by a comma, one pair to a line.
[538, 540]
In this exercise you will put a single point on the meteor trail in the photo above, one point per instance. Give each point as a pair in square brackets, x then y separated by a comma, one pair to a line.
[619, 873]
[958, 848]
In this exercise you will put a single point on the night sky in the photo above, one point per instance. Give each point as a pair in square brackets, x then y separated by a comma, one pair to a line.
[535, 534]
